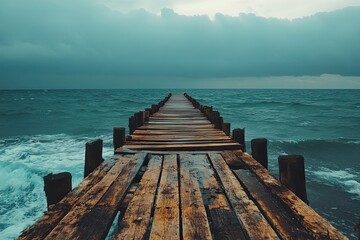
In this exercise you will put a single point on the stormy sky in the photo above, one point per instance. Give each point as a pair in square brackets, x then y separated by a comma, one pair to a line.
[130, 44]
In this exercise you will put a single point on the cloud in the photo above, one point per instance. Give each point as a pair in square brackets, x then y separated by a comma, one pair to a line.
[41, 38]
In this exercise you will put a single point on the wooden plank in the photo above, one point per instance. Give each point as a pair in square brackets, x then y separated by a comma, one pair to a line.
[136, 220]
[179, 122]
[166, 221]
[195, 223]
[91, 218]
[207, 132]
[223, 219]
[286, 225]
[312, 221]
[172, 127]
[185, 147]
[177, 138]
[172, 142]
[232, 160]
[247, 212]
[57, 211]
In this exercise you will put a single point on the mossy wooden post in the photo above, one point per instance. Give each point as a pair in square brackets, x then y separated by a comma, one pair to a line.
[118, 137]
[226, 128]
[93, 156]
[292, 174]
[259, 151]
[56, 186]
[238, 134]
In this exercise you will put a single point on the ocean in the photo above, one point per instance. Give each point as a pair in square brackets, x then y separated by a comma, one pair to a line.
[44, 131]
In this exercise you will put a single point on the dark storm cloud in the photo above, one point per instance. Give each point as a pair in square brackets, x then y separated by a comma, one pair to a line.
[77, 39]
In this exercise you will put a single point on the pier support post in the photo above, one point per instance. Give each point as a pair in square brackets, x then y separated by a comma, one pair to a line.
[238, 135]
[218, 122]
[139, 118]
[292, 174]
[259, 151]
[213, 116]
[56, 186]
[226, 128]
[146, 115]
[118, 137]
[93, 156]
[132, 125]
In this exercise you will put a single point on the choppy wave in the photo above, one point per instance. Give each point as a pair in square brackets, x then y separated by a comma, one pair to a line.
[322, 125]
[23, 163]
[347, 179]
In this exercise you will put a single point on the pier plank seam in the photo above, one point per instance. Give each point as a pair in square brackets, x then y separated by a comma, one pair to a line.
[181, 182]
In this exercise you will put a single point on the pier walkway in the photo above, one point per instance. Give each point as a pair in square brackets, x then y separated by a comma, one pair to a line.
[179, 176]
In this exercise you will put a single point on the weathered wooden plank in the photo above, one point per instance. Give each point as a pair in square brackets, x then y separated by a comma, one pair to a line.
[232, 160]
[91, 218]
[177, 138]
[286, 225]
[172, 127]
[166, 221]
[247, 212]
[172, 142]
[136, 220]
[57, 211]
[179, 122]
[207, 132]
[312, 221]
[186, 147]
[222, 217]
[195, 223]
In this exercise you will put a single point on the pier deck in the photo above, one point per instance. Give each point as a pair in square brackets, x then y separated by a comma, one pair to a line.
[177, 177]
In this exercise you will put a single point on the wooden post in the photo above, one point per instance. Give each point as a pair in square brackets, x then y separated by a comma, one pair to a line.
[146, 115]
[56, 186]
[238, 135]
[218, 122]
[132, 125]
[154, 108]
[259, 151]
[226, 128]
[93, 156]
[118, 137]
[292, 174]
[213, 116]
[149, 110]
[139, 119]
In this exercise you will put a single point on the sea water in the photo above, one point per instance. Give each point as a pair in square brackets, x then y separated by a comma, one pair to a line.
[44, 131]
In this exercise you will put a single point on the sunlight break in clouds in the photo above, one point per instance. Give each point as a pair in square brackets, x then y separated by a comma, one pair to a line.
[288, 9]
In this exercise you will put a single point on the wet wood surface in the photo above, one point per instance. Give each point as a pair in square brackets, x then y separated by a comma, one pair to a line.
[210, 190]
[179, 126]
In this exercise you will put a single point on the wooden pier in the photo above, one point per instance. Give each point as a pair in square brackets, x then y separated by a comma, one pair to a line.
[179, 175]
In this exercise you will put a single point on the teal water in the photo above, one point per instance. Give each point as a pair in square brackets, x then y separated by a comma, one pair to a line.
[45, 131]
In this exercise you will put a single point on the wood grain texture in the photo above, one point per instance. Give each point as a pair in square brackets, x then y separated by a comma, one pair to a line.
[136, 220]
[166, 221]
[247, 212]
[58, 211]
[316, 225]
[91, 218]
[221, 215]
[195, 223]
[178, 126]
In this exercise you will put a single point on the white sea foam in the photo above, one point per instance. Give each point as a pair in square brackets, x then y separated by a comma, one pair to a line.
[23, 163]
[346, 179]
